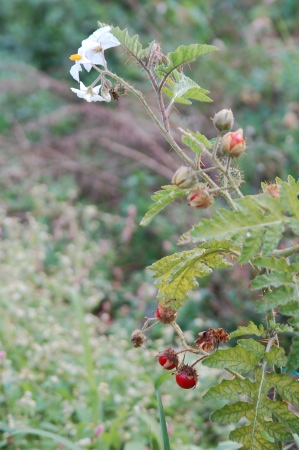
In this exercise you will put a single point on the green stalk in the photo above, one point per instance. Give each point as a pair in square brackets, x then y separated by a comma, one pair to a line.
[95, 402]
[165, 437]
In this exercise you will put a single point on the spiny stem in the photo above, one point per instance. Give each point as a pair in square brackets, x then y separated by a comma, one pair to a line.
[163, 130]
[215, 148]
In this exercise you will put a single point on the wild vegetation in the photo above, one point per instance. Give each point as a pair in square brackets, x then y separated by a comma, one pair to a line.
[77, 180]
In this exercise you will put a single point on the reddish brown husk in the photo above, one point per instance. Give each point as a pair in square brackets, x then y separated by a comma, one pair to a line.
[166, 314]
[186, 377]
[200, 198]
[168, 359]
[138, 338]
[208, 339]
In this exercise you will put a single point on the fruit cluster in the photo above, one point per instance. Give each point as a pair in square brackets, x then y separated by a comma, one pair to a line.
[186, 375]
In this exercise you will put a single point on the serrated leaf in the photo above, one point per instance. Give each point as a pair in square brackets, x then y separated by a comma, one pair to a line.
[289, 192]
[232, 413]
[286, 387]
[290, 309]
[273, 263]
[195, 141]
[181, 89]
[253, 346]
[293, 360]
[276, 431]
[249, 441]
[272, 236]
[252, 328]
[131, 44]
[162, 199]
[278, 296]
[237, 358]
[252, 245]
[285, 417]
[176, 274]
[273, 279]
[249, 222]
[276, 356]
[182, 55]
[231, 390]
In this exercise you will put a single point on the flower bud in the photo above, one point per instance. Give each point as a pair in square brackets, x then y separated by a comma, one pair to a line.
[184, 178]
[200, 198]
[233, 144]
[106, 94]
[224, 120]
[138, 338]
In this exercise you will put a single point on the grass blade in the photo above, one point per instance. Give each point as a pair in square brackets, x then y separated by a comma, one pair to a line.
[165, 438]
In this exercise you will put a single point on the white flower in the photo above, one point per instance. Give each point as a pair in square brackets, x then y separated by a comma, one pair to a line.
[89, 94]
[79, 59]
[93, 47]
[92, 51]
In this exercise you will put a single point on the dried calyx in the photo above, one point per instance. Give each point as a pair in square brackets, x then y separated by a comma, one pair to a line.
[207, 340]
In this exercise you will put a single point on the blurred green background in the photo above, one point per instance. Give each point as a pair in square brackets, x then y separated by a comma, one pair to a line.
[75, 180]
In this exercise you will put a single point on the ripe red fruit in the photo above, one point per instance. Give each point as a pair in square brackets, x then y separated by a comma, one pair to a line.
[186, 377]
[168, 359]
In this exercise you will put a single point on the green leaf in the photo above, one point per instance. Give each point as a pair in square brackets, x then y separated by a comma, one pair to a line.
[276, 431]
[159, 381]
[195, 141]
[281, 412]
[252, 441]
[237, 358]
[181, 89]
[286, 387]
[273, 279]
[265, 419]
[252, 245]
[273, 263]
[46, 434]
[253, 346]
[272, 237]
[232, 413]
[252, 328]
[276, 356]
[293, 360]
[279, 296]
[162, 199]
[131, 44]
[182, 55]
[249, 226]
[289, 192]
[176, 274]
[231, 390]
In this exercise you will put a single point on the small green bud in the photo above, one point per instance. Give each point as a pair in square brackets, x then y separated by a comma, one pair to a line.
[224, 120]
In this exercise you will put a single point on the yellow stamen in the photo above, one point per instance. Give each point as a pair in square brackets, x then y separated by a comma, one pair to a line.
[75, 57]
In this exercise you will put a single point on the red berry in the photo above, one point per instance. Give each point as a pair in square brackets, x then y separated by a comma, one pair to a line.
[168, 359]
[186, 377]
